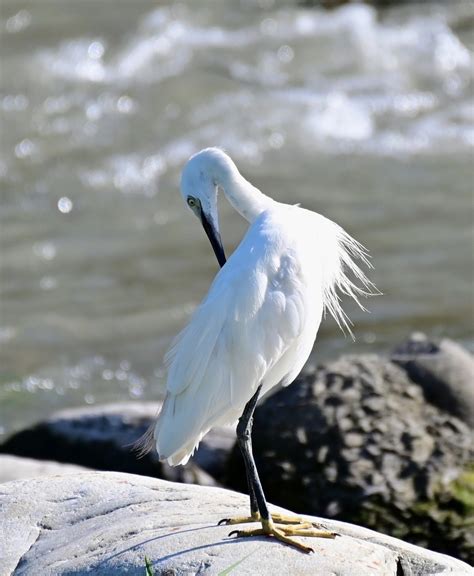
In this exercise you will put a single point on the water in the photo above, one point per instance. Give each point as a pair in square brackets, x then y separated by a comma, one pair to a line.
[366, 117]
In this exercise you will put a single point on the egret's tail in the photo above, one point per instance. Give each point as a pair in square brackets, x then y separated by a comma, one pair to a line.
[175, 438]
[145, 443]
[151, 439]
[174, 433]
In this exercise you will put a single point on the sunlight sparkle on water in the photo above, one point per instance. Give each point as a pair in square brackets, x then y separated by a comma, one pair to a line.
[46, 250]
[65, 205]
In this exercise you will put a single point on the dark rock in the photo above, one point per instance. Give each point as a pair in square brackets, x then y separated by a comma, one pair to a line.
[444, 370]
[102, 437]
[213, 452]
[391, 461]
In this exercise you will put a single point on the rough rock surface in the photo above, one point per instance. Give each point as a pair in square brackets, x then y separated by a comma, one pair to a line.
[444, 370]
[102, 436]
[16, 468]
[105, 523]
[356, 440]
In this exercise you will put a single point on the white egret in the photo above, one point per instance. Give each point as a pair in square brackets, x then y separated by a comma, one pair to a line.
[256, 326]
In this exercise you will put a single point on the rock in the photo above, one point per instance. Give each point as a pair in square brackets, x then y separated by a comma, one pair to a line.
[358, 441]
[444, 370]
[102, 437]
[213, 452]
[16, 468]
[105, 523]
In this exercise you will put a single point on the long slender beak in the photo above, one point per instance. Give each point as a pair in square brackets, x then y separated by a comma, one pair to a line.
[214, 238]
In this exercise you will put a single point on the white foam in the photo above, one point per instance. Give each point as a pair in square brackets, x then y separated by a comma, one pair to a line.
[346, 75]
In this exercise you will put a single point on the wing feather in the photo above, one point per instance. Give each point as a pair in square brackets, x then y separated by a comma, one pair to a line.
[250, 316]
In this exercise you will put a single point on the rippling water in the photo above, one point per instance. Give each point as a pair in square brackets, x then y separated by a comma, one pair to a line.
[366, 117]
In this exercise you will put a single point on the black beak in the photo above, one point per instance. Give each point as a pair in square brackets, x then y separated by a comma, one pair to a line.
[215, 239]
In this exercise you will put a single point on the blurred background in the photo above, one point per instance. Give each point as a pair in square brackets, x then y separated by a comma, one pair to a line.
[364, 114]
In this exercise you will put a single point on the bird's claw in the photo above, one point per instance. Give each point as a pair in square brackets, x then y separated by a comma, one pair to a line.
[274, 532]
[276, 517]
[239, 520]
[282, 532]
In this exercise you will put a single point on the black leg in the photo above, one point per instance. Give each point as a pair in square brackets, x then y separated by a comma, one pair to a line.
[244, 439]
[270, 526]
[253, 499]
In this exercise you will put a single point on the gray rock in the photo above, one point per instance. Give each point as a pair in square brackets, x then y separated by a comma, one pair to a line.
[16, 468]
[102, 437]
[358, 441]
[104, 523]
[444, 370]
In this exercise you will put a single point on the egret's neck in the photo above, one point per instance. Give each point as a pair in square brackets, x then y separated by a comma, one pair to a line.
[244, 197]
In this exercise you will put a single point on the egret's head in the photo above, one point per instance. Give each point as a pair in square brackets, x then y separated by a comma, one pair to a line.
[202, 175]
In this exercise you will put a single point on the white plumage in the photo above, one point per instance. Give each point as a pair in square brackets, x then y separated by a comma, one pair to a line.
[261, 315]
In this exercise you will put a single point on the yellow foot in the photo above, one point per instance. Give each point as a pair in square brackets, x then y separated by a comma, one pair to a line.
[239, 520]
[286, 519]
[276, 517]
[282, 532]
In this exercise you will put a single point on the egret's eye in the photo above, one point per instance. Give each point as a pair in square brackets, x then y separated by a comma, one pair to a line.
[191, 202]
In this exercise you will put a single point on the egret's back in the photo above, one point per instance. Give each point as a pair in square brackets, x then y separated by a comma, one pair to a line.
[257, 324]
